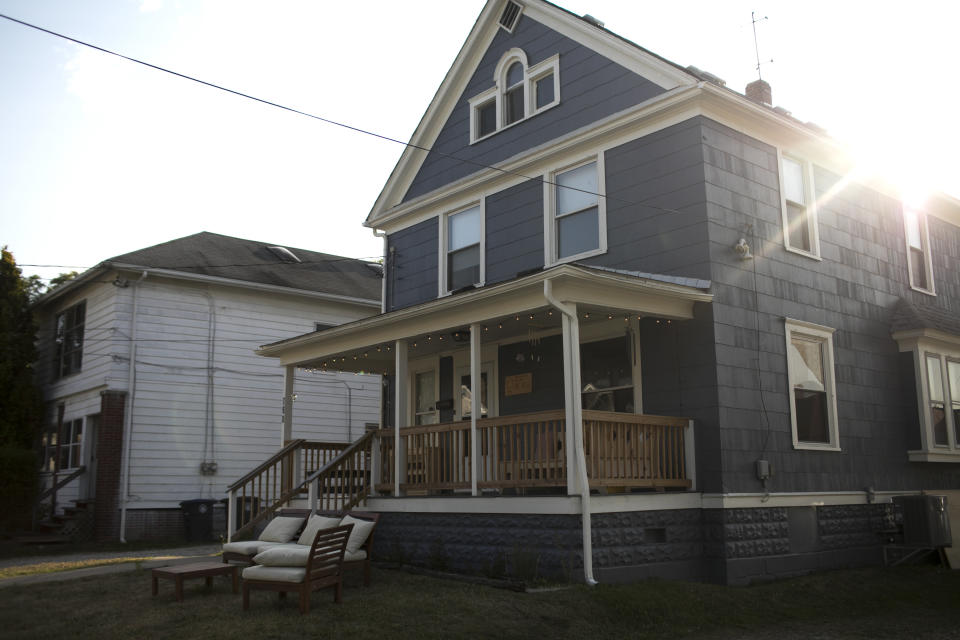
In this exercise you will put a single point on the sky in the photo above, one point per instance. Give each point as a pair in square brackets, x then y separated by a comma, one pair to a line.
[100, 156]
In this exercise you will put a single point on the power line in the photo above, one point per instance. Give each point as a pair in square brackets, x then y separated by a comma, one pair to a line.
[475, 163]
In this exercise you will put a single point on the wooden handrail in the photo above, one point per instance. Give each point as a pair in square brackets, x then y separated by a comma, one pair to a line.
[272, 460]
[499, 421]
[343, 455]
[337, 482]
[635, 418]
[80, 471]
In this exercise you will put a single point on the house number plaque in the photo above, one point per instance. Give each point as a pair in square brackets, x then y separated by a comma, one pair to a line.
[518, 384]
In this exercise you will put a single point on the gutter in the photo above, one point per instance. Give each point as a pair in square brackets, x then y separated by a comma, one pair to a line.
[575, 422]
[128, 415]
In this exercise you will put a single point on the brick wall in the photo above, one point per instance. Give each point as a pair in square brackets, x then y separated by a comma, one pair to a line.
[109, 465]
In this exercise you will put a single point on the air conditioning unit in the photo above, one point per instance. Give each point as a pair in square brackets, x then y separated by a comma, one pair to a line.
[926, 522]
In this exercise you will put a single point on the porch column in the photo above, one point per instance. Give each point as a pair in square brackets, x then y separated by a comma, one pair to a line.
[287, 433]
[476, 388]
[400, 408]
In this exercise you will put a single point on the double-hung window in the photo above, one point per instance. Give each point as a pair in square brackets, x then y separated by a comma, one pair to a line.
[918, 250]
[576, 212]
[463, 250]
[68, 338]
[800, 230]
[812, 387]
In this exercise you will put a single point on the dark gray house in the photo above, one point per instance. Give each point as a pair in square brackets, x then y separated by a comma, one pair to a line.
[703, 348]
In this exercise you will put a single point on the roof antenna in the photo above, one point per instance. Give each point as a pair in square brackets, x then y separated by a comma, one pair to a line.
[756, 48]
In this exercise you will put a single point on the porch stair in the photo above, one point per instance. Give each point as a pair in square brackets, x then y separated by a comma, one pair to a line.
[75, 524]
[330, 476]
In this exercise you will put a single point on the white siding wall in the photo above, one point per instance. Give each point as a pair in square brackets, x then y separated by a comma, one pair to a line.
[171, 432]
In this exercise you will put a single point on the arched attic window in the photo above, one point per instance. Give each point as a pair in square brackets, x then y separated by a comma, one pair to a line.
[519, 92]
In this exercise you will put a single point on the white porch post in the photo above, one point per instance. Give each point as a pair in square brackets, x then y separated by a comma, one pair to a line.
[476, 388]
[287, 433]
[231, 514]
[400, 409]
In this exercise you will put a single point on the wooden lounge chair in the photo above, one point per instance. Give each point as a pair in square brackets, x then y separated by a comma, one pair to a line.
[324, 569]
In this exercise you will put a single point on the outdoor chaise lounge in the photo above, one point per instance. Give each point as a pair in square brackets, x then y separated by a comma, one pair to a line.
[281, 530]
[324, 568]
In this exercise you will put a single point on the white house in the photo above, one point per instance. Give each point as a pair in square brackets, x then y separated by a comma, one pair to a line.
[152, 385]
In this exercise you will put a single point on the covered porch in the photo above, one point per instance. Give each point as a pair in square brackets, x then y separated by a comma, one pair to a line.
[556, 349]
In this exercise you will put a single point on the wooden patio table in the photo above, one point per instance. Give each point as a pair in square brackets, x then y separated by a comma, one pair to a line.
[195, 570]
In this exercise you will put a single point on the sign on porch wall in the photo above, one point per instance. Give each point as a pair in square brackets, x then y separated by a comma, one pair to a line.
[518, 384]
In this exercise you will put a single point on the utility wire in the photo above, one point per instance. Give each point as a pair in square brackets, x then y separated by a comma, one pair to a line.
[332, 122]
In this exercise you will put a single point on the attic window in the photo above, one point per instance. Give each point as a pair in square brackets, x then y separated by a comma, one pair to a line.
[508, 19]
[284, 254]
[519, 91]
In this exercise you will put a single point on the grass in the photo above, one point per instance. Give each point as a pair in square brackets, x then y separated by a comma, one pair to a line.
[872, 603]
[70, 565]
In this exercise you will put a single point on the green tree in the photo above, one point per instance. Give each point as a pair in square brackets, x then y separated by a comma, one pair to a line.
[63, 278]
[19, 396]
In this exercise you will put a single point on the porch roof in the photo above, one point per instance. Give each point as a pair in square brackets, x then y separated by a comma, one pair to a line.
[365, 344]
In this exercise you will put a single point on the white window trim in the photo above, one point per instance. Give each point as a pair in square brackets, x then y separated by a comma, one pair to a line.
[499, 89]
[442, 260]
[930, 451]
[925, 241]
[825, 335]
[550, 208]
[809, 194]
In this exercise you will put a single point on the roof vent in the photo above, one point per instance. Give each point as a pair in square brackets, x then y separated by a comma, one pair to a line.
[284, 254]
[510, 15]
[589, 18]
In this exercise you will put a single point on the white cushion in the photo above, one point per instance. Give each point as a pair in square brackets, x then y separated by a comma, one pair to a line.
[361, 531]
[315, 524]
[284, 555]
[356, 556]
[248, 547]
[281, 529]
[274, 574]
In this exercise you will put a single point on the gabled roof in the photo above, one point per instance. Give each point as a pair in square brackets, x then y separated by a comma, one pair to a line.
[251, 262]
[654, 68]
[911, 317]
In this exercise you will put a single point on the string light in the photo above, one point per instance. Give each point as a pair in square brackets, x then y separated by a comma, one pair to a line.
[531, 316]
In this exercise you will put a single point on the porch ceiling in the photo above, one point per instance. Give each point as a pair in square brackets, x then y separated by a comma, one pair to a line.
[513, 309]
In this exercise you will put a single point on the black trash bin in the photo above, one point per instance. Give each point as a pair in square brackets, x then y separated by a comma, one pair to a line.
[198, 519]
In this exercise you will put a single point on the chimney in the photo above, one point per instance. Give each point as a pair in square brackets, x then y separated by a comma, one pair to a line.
[760, 91]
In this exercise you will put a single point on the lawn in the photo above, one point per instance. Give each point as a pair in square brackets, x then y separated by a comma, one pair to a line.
[874, 603]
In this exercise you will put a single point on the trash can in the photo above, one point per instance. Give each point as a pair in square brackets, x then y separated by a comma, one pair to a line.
[198, 519]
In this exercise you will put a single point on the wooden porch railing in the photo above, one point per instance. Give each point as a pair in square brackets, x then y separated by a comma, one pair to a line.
[345, 481]
[275, 482]
[630, 450]
[527, 450]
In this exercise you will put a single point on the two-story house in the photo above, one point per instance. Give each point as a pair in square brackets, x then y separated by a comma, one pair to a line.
[637, 323]
[154, 392]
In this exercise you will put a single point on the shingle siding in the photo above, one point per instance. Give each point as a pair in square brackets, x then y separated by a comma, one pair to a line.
[853, 289]
[584, 74]
[514, 230]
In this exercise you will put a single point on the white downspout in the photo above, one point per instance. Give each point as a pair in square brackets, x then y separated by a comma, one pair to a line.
[383, 280]
[128, 415]
[574, 412]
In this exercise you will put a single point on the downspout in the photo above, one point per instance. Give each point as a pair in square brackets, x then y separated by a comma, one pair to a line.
[383, 279]
[574, 411]
[128, 415]
[208, 462]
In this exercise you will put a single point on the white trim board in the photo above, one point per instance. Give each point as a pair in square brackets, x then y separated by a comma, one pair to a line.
[622, 503]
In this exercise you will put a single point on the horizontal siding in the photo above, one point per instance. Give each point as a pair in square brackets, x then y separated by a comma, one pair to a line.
[514, 231]
[584, 74]
[412, 265]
